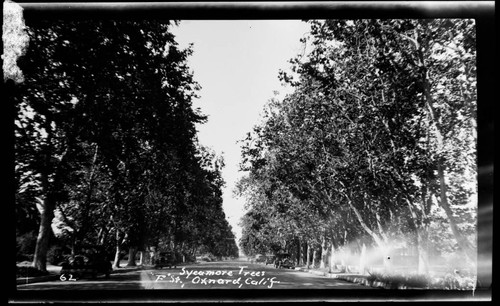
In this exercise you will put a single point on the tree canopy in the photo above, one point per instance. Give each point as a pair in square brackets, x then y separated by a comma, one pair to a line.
[105, 141]
[376, 144]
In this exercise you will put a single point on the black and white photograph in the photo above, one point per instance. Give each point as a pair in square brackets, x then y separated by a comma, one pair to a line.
[253, 151]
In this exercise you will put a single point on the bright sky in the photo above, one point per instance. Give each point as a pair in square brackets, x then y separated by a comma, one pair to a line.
[236, 62]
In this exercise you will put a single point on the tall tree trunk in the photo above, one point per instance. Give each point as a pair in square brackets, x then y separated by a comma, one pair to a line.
[132, 251]
[141, 258]
[420, 228]
[297, 258]
[46, 208]
[314, 256]
[462, 241]
[116, 263]
[423, 250]
[334, 246]
[378, 240]
[85, 209]
[332, 258]
[463, 244]
[308, 258]
[382, 232]
[303, 252]
[423, 234]
[362, 260]
[324, 252]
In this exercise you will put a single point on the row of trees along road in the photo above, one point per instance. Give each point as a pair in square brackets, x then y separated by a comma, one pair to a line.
[106, 144]
[375, 146]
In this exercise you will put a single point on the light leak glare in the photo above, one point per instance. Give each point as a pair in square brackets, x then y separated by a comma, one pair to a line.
[393, 260]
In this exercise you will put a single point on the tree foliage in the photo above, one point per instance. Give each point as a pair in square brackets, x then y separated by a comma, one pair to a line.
[106, 139]
[376, 143]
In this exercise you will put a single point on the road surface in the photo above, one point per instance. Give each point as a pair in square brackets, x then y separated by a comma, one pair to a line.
[205, 275]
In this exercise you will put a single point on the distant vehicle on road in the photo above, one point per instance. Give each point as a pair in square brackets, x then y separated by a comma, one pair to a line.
[270, 259]
[166, 259]
[260, 258]
[287, 263]
[283, 261]
[80, 266]
[206, 258]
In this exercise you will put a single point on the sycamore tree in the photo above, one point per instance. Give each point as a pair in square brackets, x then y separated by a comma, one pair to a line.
[105, 137]
[400, 57]
[380, 127]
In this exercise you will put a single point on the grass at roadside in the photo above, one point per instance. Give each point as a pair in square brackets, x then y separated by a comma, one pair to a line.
[448, 281]
[445, 280]
[27, 271]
